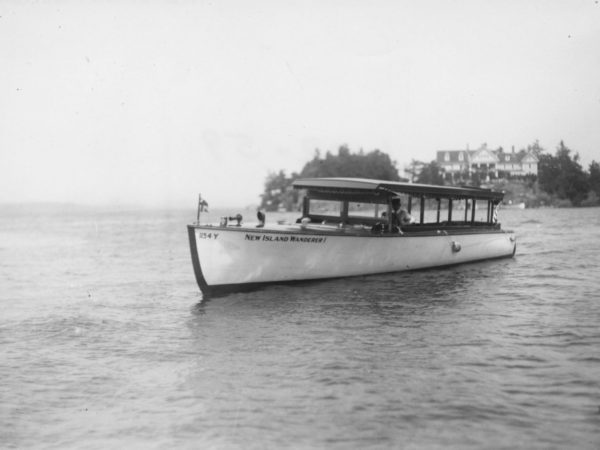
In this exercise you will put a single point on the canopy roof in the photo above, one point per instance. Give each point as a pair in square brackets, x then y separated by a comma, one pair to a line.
[348, 187]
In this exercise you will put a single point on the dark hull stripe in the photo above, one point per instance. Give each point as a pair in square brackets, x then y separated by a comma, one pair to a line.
[196, 262]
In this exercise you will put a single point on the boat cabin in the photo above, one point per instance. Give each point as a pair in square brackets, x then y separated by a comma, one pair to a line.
[368, 203]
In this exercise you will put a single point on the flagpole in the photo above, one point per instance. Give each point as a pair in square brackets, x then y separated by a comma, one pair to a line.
[198, 214]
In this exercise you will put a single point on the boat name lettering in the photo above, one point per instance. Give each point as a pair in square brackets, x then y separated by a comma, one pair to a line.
[203, 235]
[309, 239]
[277, 238]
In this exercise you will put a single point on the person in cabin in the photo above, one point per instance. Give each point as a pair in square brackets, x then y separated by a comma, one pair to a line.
[260, 215]
[400, 216]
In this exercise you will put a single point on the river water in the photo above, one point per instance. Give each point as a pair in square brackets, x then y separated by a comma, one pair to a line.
[105, 342]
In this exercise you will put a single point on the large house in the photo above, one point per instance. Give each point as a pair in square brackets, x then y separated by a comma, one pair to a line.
[487, 162]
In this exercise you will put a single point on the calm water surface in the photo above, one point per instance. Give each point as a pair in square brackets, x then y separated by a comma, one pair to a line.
[105, 342]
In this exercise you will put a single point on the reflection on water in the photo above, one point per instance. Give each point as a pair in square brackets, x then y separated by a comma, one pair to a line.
[110, 344]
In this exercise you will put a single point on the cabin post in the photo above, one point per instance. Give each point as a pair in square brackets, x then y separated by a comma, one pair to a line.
[422, 218]
[345, 212]
[305, 206]
[389, 214]
[439, 205]
[449, 210]
[466, 209]
[409, 204]
[489, 211]
[473, 203]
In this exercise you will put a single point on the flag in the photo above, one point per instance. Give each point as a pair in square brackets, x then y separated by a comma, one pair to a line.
[496, 208]
[202, 204]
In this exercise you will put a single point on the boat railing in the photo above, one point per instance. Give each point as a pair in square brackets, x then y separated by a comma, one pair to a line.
[350, 220]
[449, 225]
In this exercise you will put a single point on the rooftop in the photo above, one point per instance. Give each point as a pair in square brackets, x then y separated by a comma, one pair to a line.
[347, 187]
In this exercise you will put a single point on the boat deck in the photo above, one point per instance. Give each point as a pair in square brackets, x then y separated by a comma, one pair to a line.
[334, 228]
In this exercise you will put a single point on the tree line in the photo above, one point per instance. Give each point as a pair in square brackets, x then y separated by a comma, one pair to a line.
[279, 195]
[561, 175]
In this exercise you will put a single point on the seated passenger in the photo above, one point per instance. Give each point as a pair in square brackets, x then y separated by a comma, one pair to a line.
[260, 215]
[400, 216]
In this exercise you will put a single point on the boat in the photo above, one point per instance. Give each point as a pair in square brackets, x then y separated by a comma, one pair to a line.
[511, 205]
[349, 227]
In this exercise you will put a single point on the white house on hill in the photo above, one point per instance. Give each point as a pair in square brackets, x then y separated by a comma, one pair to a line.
[487, 162]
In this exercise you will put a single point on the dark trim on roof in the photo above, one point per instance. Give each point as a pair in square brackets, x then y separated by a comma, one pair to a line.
[347, 187]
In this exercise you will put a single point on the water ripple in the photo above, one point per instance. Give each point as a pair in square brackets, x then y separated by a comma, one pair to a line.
[112, 345]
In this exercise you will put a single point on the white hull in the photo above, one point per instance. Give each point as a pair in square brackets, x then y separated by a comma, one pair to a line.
[226, 258]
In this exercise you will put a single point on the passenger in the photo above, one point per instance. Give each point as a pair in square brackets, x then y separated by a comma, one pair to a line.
[400, 216]
[261, 218]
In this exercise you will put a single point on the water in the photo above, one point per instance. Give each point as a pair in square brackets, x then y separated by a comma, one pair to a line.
[105, 342]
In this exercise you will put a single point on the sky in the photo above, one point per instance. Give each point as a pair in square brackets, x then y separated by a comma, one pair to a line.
[151, 102]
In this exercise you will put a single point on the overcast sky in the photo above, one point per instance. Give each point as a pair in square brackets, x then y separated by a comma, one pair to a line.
[151, 102]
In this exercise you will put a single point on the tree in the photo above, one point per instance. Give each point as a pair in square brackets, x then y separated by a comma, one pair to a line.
[431, 173]
[548, 173]
[594, 178]
[374, 164]
[536, 148]
[279, 194]
[563, 176]
[414, 169]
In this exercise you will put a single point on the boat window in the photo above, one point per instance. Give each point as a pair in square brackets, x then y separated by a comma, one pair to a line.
[371, 210]
[446, 207]
[430, 210]
[415, 210]
[481, 210]
[326, 207]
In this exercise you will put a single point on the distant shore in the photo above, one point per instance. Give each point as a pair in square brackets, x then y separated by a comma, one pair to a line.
[529, 193]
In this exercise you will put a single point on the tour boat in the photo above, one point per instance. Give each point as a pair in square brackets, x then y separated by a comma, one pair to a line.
[349, 227]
